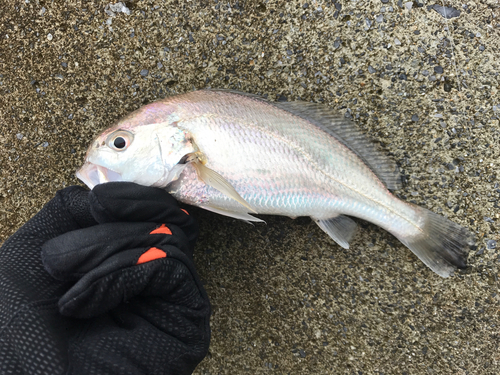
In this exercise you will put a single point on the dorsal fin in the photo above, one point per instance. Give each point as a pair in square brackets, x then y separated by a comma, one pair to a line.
[346, 132]
[343, 130]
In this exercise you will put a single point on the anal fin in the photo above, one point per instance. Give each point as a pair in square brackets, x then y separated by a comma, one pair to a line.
[340, 228]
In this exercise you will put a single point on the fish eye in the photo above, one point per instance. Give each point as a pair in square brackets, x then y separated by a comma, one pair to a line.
[120, 140]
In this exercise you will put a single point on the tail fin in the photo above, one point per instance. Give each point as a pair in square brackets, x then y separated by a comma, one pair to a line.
[443, 245]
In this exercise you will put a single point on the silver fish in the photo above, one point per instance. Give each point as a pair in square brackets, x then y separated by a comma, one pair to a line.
[235, 154]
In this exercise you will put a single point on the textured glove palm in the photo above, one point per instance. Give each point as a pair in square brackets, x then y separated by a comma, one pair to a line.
[121, 295]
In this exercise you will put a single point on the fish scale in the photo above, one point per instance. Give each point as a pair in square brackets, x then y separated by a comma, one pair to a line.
[239, 165]
[232, 153]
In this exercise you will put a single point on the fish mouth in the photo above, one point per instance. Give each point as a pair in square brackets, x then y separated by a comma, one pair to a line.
[92, 174]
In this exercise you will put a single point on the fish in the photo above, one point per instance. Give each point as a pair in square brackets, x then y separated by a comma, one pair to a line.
[238, 154]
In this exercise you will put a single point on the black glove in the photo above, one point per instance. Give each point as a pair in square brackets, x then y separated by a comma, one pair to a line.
[121, 295]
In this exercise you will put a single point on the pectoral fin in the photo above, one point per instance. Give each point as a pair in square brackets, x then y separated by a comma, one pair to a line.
[215, 180]
[340, 228]
[237, 215]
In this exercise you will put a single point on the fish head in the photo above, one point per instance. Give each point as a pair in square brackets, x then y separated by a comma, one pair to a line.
[143, 147]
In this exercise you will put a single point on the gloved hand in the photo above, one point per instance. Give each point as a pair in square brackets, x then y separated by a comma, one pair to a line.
[103, 282]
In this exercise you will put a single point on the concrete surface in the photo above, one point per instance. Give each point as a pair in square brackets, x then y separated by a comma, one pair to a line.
[286, 299]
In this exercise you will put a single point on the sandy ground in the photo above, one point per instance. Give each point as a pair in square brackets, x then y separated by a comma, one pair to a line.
[286, 299]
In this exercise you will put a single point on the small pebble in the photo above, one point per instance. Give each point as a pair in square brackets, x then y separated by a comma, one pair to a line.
[397, 42]
[481, 48]
[64, 64]
[112, 9]
[414, 118]
[371, 69]
[379, 18]
[438, 69]
[446, 12]
[144, 72]
[159, 65]
[409, 5]
[492, 244]
[19, 136]
[49, 36]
